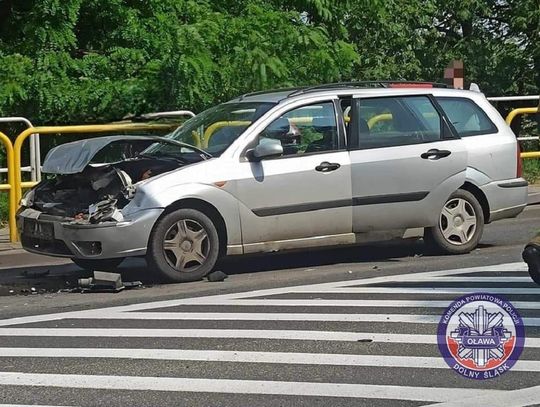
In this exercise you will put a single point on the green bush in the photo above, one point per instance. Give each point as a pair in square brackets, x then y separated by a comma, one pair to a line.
[531, 170]
[4, 207]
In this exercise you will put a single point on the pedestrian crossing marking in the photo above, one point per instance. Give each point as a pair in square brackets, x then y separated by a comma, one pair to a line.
[333, 359]
[162, 311]
[227, 386]
[516, 398]
[279, 316]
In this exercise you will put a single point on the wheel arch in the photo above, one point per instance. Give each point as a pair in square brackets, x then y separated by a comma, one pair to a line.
[482, 199]
[209, 210]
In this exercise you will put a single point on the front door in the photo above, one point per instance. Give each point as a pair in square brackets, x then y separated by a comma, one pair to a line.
[405, 163]
[302, 198]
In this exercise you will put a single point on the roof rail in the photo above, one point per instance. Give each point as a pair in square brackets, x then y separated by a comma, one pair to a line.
[298, 90]
[262, 92]
[369, 84]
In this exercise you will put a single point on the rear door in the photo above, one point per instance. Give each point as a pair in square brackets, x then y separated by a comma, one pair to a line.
[405, 162]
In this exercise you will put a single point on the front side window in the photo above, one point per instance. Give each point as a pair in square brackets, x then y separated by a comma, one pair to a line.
[466, 116]
[304, 130]
[396, 121]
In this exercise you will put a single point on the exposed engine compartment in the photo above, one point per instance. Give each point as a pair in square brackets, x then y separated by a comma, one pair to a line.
[99, 191]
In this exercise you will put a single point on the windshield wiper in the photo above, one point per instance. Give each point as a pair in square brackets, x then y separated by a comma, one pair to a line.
[163, 156]
[196, 149]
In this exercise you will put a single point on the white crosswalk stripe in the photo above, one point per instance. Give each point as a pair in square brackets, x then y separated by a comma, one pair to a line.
[241, 386]
[247, 357]
[397, 312]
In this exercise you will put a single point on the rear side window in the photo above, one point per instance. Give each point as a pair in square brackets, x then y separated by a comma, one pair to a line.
[397, 121]
[466, 116]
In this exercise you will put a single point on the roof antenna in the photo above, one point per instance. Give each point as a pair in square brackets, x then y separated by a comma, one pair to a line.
[474, 87]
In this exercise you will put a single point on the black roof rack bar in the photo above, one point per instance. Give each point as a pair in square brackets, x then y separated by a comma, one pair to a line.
[298, 90]
[363, 84]
[262, 92]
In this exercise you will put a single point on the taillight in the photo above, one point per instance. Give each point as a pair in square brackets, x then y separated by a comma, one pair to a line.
[519, 167]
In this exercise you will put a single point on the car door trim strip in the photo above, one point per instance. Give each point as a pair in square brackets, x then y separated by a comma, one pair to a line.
[391, 198]
[357, 201]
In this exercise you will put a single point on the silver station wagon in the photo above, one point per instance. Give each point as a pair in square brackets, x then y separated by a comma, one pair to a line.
[337, 164]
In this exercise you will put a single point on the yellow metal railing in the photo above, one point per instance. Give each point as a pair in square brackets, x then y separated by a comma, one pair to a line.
[522, 110]
[512, 115]
[16, 185]
[102, 128]
[379, 118]
[10, 187]
[219, 125]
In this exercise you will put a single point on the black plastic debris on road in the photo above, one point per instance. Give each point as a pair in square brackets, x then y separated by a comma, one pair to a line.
[104, 282]
[217, 276]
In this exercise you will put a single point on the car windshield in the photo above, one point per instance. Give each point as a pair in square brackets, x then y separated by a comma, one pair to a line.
[213, 130]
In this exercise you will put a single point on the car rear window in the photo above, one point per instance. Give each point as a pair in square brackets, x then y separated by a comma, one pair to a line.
[466, 116]
[397, 121]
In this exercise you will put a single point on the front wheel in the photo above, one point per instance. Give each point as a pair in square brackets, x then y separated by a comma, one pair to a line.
[183, 246]
[460, 226]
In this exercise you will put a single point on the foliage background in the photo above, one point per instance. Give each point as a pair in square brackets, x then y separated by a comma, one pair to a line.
[72, 61]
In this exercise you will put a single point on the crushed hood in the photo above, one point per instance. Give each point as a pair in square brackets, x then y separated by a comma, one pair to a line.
[72, 158]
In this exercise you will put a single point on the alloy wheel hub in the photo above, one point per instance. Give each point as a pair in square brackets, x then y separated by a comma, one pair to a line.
[458, 221]
[186, 245]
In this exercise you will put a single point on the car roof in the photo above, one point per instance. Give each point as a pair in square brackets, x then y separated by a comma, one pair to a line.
[352, 89]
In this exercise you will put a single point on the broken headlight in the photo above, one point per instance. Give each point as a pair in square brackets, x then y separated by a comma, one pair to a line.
[104, 211]
[28, 199]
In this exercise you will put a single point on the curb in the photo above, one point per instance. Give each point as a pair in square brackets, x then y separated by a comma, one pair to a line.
[533, 199]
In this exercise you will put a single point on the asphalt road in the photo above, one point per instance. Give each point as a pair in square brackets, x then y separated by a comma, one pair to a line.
[352, 342]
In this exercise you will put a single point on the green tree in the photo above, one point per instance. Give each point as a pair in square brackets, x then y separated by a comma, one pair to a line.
[67, 61]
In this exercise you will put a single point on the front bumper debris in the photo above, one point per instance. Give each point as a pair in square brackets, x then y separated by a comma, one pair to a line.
[56, 236]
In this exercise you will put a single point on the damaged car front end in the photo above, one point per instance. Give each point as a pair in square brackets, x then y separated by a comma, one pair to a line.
[85, 210]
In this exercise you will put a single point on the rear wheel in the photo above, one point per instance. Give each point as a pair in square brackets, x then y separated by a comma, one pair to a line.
[183, 246]
[460, 226]
[98, 264]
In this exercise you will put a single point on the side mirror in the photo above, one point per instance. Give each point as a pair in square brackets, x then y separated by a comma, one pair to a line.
[265, 150]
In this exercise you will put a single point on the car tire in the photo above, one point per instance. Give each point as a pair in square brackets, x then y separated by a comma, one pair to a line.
[98, 264]
[183, 246]
[531, 255]
[460, 226]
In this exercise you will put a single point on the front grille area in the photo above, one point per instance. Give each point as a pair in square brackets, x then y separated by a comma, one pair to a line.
[45, 246]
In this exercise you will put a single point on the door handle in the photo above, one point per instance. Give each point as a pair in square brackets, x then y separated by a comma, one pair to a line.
[435, 154]
[325, 166]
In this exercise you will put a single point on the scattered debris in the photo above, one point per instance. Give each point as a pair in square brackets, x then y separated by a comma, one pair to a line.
[103, 282]
[133, 284]
[217, 276]
[85, 282]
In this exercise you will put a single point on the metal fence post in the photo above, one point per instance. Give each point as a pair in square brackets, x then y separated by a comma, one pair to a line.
[10, 187]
